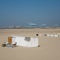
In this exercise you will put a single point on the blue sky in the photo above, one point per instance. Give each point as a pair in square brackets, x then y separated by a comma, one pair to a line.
[24, 12]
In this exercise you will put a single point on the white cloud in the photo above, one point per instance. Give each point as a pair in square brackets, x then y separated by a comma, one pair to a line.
[32, 23]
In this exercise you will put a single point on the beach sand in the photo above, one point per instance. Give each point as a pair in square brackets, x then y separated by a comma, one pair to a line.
[49, 46]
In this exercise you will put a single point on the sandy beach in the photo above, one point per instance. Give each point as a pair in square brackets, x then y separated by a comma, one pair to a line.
[49, 46]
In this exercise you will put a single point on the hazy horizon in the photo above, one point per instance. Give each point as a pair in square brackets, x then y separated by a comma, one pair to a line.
[29, 12]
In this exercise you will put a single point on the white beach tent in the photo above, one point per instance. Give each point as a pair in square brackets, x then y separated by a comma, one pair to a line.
[25, 41]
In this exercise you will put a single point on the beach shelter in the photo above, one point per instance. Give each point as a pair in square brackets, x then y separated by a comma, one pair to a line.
[24, 41]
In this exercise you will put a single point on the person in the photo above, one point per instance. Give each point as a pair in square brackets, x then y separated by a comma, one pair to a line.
[37, 34]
